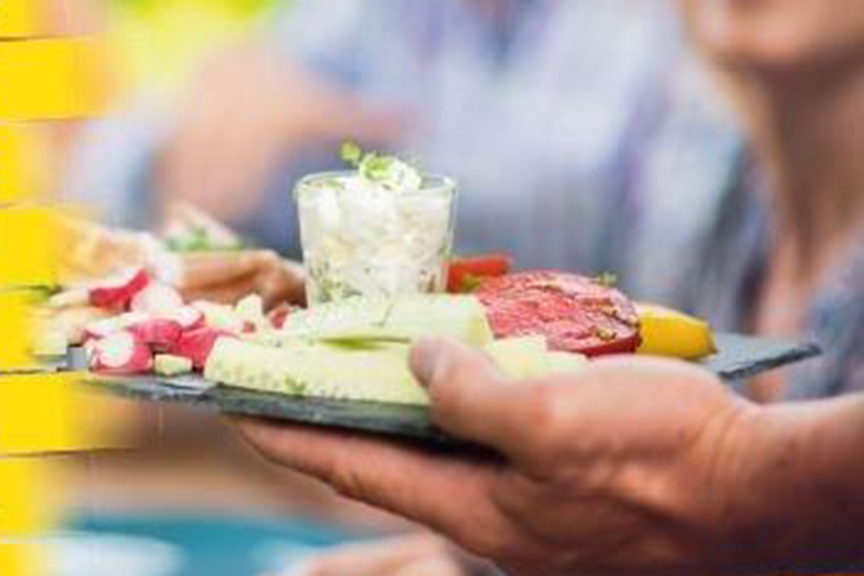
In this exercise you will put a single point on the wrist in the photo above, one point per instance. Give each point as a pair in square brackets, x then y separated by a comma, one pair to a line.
[794, 501]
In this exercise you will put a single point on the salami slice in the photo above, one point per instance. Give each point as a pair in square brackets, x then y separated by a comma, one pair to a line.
[574, 313]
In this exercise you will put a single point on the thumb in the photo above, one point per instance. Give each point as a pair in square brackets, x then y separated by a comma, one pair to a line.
[471, 398]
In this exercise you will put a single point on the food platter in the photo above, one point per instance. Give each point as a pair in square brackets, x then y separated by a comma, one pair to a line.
[738, 358]
[379, 274]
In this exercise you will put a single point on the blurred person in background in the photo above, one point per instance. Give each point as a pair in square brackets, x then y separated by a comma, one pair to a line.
[786, 256]
[552, 116]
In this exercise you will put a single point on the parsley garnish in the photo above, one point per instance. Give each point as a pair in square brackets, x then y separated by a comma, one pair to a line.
[385, 170]
[375, 167]
[351, 153]
[607, 279]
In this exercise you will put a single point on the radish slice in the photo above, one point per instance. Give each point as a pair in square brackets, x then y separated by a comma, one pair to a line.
[120, 353]
[159, 333]
[118, 291]
[157, 299]
[188, 317]
[109, 326]
[279, 315]
[196, 345]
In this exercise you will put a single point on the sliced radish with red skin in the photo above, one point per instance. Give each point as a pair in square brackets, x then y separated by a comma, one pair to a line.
[279, 315]
[160, 334]
[103, 328]
[118, 291]
[120, 353]
[196, 345]
[249, 327]
[188, 317]
[157, 299]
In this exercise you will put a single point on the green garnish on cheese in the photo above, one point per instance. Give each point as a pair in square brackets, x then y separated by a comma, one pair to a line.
[351, 153]
[386, 171]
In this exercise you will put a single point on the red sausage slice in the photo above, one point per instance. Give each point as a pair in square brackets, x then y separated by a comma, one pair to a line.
[574, 313]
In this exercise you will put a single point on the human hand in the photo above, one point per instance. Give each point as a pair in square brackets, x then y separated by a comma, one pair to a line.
[226, 277]
[418, 555]
[244, 115]
[631, 466]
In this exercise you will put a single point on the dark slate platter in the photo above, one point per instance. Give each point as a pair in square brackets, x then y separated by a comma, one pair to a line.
[739, 357]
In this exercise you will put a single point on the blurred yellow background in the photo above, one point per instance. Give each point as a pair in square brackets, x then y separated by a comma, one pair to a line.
[160, 42]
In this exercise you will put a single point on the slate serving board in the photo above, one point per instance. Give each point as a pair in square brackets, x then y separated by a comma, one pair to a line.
[739, 357]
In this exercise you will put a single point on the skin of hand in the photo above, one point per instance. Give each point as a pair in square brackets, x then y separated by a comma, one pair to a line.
[226, 277]
[418, 555]
[247, 112]
[631, 466]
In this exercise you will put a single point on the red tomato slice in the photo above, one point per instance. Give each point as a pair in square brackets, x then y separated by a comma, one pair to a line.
[464, 272]
[574, 313]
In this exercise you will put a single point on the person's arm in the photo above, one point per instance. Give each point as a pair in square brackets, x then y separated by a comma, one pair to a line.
[631, 466]
[253, 108]
[801, 488]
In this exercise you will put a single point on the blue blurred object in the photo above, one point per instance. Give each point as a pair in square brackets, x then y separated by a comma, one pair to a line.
[190, 544]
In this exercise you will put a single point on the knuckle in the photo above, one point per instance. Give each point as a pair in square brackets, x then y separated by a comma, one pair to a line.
[264, 448]
[448, 396]
[347, 482]
[487, 543]
[492, 536]
[548, 411]
[550, 420]
[454, 372]
[501, 546]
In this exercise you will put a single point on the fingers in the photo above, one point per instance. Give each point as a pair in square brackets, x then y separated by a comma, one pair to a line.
[527, 421]
[214, 268]
[224, 293]
[228, 276]
[390, 557]
[203, 270]
[432, 490]
[430, 567]
[471, 398]
[283, 283]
